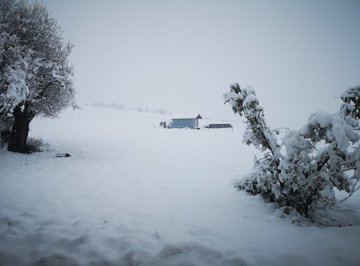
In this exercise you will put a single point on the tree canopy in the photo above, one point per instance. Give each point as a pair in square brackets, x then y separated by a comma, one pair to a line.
[35, 75]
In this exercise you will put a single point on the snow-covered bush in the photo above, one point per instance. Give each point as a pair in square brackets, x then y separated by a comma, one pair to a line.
[303, 171]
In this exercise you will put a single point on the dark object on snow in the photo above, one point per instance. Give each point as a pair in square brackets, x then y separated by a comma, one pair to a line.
[219, 126]
[61, 155]
[5, 135]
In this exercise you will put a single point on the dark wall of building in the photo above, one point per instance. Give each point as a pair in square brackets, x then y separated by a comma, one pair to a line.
[184, 123]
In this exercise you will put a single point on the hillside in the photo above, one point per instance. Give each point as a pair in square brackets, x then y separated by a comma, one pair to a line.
[135, 194]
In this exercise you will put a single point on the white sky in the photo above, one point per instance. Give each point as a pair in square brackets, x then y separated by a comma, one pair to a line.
[183, 55]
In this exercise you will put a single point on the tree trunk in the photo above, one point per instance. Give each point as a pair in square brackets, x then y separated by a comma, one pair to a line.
[20, 131]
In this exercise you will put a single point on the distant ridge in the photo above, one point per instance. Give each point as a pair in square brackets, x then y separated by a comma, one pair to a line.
[122, 107]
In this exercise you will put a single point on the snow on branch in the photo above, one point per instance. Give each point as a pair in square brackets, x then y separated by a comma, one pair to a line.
[313, 161]
[16, 92]
[245, 103]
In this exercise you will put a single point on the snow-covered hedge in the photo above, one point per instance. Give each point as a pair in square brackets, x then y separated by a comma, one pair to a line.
[302, 173]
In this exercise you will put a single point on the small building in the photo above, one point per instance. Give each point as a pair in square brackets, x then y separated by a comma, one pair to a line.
[213, 126]
[186, 122]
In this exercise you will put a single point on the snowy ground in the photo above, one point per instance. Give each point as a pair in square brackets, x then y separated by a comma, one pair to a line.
[135, 194]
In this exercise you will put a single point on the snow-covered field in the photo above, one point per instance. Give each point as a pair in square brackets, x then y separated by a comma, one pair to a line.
[135, 194]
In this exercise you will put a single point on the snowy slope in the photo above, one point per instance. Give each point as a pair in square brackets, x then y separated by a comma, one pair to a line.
[135, 194]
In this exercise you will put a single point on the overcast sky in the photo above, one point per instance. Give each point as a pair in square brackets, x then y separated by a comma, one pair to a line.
[183, 55]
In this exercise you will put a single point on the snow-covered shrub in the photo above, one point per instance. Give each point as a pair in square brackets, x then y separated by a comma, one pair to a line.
[311, 162]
